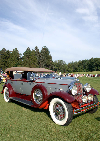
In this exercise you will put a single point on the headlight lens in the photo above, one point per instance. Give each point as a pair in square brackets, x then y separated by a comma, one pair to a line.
[87, 87]
[90, 97]
[87, 98]
[73, 89]
[84, 99]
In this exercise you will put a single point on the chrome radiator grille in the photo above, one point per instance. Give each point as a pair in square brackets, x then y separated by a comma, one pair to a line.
[79, 88]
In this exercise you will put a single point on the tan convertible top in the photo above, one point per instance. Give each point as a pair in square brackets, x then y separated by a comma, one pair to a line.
[28, 69]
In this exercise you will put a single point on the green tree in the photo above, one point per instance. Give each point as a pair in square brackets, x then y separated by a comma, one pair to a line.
[37, 54]
[70, 67]
[45, 58]
[26, 58]
[85, 65]
[60, 66]
[97, 64]
[75, 66]
[14, 58]
[33, 60]
[29, 58]
[91, 65]
[4, 56]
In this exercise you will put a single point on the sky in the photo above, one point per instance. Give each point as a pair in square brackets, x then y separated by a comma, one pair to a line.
[70, 29]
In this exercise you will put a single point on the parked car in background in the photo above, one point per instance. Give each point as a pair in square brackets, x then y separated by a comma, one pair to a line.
[63, 97]
[68, 77]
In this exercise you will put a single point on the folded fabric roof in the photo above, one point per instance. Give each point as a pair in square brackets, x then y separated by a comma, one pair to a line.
[28, 69]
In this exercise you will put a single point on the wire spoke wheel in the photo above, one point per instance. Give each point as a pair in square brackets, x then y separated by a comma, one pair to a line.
[6, 94]
[61, 112]
[38, 96]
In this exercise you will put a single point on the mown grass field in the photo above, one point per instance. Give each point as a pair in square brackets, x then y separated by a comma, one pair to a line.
[93, 72]
[19, 122]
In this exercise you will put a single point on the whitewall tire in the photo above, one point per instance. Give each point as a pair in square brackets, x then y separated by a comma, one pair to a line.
[61, 112]
[6, 94]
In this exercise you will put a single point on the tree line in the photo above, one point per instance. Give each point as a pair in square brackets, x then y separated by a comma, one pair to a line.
[42, 58]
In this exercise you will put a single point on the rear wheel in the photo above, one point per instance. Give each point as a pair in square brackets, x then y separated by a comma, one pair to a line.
[39, 93]
[38, 96]
[60, 111]
[6, 95]
[95, 100]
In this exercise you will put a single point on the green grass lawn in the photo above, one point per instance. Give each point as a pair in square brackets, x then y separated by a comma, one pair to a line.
[93, 72]
[19, 122]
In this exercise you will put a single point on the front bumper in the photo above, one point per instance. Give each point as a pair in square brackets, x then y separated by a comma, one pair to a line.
[85, 108]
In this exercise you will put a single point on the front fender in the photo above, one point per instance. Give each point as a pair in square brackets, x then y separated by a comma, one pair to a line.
[63, 95]
[94, 92]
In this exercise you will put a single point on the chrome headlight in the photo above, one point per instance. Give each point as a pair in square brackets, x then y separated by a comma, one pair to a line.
[84, 99]
[87, 87]
[73, 89]
[90, 97]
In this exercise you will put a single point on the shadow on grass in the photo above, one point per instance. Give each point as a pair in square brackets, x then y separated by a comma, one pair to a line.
[45, 111]
[40, 110]
[76, 116]
[98, 118]
[31, 108]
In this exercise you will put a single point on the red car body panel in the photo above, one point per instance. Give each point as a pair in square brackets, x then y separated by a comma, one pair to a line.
[63, 95]
[94, 92]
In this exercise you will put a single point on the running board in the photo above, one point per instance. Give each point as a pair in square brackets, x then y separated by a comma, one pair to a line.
[22, 101]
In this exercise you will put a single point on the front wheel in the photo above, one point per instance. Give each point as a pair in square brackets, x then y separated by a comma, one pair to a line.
[6, 94]
[60, 111]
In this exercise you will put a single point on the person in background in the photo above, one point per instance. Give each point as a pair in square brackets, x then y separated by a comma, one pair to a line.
[0, 78]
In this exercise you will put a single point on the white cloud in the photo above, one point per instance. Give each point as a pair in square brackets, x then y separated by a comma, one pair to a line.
[91, 18]
[83, 11]
[5, 24]
[89, 11]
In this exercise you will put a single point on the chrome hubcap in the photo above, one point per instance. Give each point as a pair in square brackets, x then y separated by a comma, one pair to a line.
[59, 111]
[38, 96]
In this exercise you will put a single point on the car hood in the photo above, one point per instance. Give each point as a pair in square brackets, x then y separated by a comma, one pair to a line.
[54, 81]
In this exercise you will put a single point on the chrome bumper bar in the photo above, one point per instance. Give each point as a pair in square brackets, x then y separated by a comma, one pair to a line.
[85, 109]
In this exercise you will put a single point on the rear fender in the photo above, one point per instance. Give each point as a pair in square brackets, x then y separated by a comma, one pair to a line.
[11, 91]
[3, 88]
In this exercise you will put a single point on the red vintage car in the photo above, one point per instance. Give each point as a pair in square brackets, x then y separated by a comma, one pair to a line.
[63, 97]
